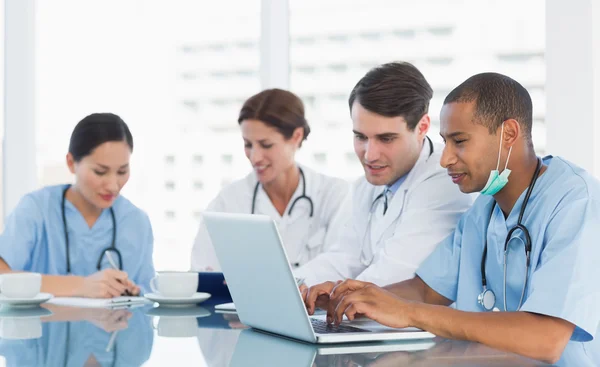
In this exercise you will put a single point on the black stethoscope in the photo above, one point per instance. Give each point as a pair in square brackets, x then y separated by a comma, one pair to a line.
[487, 298]
[303, 196]
[112, 247]
[364, 259]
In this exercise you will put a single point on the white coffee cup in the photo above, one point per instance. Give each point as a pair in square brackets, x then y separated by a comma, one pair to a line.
[20, 285]
[175, 283]
[177, 327]
[21, 328]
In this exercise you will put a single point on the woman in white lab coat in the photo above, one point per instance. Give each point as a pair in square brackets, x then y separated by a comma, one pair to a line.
[305, 205]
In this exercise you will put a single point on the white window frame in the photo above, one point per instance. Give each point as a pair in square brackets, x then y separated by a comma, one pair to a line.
[18, 159]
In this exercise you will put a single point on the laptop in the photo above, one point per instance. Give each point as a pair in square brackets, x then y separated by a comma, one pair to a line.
[264, 290]
[259, 349]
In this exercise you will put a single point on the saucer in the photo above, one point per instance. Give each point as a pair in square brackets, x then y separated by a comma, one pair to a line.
[179, 312]
[178, 301]
[24, 302]
[23, 313]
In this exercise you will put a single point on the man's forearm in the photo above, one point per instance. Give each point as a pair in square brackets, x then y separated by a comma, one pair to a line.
[409, 289]
[416, 289]
[531, 335]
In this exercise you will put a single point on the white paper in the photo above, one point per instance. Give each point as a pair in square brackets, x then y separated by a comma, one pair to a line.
[98, 302]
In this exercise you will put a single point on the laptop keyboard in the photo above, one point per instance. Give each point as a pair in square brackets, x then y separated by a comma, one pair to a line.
[321, 327]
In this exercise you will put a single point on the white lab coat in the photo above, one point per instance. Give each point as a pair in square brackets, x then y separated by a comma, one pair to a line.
[303, 237]
[423, 212]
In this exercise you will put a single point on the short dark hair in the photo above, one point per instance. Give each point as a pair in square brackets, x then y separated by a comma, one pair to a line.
[96, 129]
[394, 89]
[497, 98]
[277, 108]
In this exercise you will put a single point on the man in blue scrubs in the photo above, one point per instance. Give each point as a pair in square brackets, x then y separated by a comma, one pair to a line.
[542, 276]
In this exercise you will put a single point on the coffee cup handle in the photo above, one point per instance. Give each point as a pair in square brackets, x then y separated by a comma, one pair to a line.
[153, 285]
[154, 327]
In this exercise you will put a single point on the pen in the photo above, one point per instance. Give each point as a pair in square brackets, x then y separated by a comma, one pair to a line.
[111, 342]
[114, 266]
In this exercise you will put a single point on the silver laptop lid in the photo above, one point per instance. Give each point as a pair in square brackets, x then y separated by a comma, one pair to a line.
[258, 274]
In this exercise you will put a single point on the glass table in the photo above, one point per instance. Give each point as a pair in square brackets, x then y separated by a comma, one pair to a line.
[198, 336]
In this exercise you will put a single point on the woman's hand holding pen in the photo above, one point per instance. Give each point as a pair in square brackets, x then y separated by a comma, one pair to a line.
[107, 283]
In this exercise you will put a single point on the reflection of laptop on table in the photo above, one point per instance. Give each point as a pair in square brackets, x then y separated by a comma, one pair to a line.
[259, 349]
[264, 290]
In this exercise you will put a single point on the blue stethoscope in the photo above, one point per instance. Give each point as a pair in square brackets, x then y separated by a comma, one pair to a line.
[487, 298]
[112, 247]
[363, 256]
[303, 196]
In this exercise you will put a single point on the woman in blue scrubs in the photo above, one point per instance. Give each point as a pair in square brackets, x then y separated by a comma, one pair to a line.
[85, 239]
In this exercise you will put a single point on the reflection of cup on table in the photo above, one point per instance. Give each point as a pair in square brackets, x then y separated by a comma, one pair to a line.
[177, 284]
[177, 327]
[20, 328]
[20, 285]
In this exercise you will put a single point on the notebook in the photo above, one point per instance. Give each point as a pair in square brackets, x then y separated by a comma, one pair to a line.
[123, 301]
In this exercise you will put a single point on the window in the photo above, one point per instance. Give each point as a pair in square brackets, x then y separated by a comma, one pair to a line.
[191, 105]
[198, 159]
[306, 40]
[358, 35]
[338, 68]
[320, 158]
[441, 31]
[519, 57]
[198, 185]
[246, 45]
[165, 100]
[404, 33]
[306, 69]
[342, 38]
[441, 61]
[351, 157]
[227, 159]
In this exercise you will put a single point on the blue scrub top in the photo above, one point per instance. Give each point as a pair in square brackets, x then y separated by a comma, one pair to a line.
[34, 239]
[563, 218]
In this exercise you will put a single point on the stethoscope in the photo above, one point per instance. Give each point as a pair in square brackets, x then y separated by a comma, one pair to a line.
[487, 298]
[68, 346]
[303, 196]
[363, 257]
[112, 247]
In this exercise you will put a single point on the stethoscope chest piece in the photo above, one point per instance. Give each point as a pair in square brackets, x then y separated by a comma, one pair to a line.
[487, 299]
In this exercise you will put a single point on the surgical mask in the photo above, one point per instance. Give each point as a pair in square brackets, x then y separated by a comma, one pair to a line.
[497, 180]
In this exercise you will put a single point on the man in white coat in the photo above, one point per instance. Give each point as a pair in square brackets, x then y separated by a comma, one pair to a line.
[405, 204]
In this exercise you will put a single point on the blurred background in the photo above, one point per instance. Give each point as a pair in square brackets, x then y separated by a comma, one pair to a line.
[178, 71]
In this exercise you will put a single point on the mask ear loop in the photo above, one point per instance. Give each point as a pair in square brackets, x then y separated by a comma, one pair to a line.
[500, 150]
[500, 147]
[507, 158]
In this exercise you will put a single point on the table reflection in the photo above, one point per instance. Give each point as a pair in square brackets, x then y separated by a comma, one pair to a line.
[154, 336]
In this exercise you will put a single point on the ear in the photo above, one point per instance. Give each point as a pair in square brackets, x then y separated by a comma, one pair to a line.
[512, 131]
[423, 126]
[71, 163]
[298, 136]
